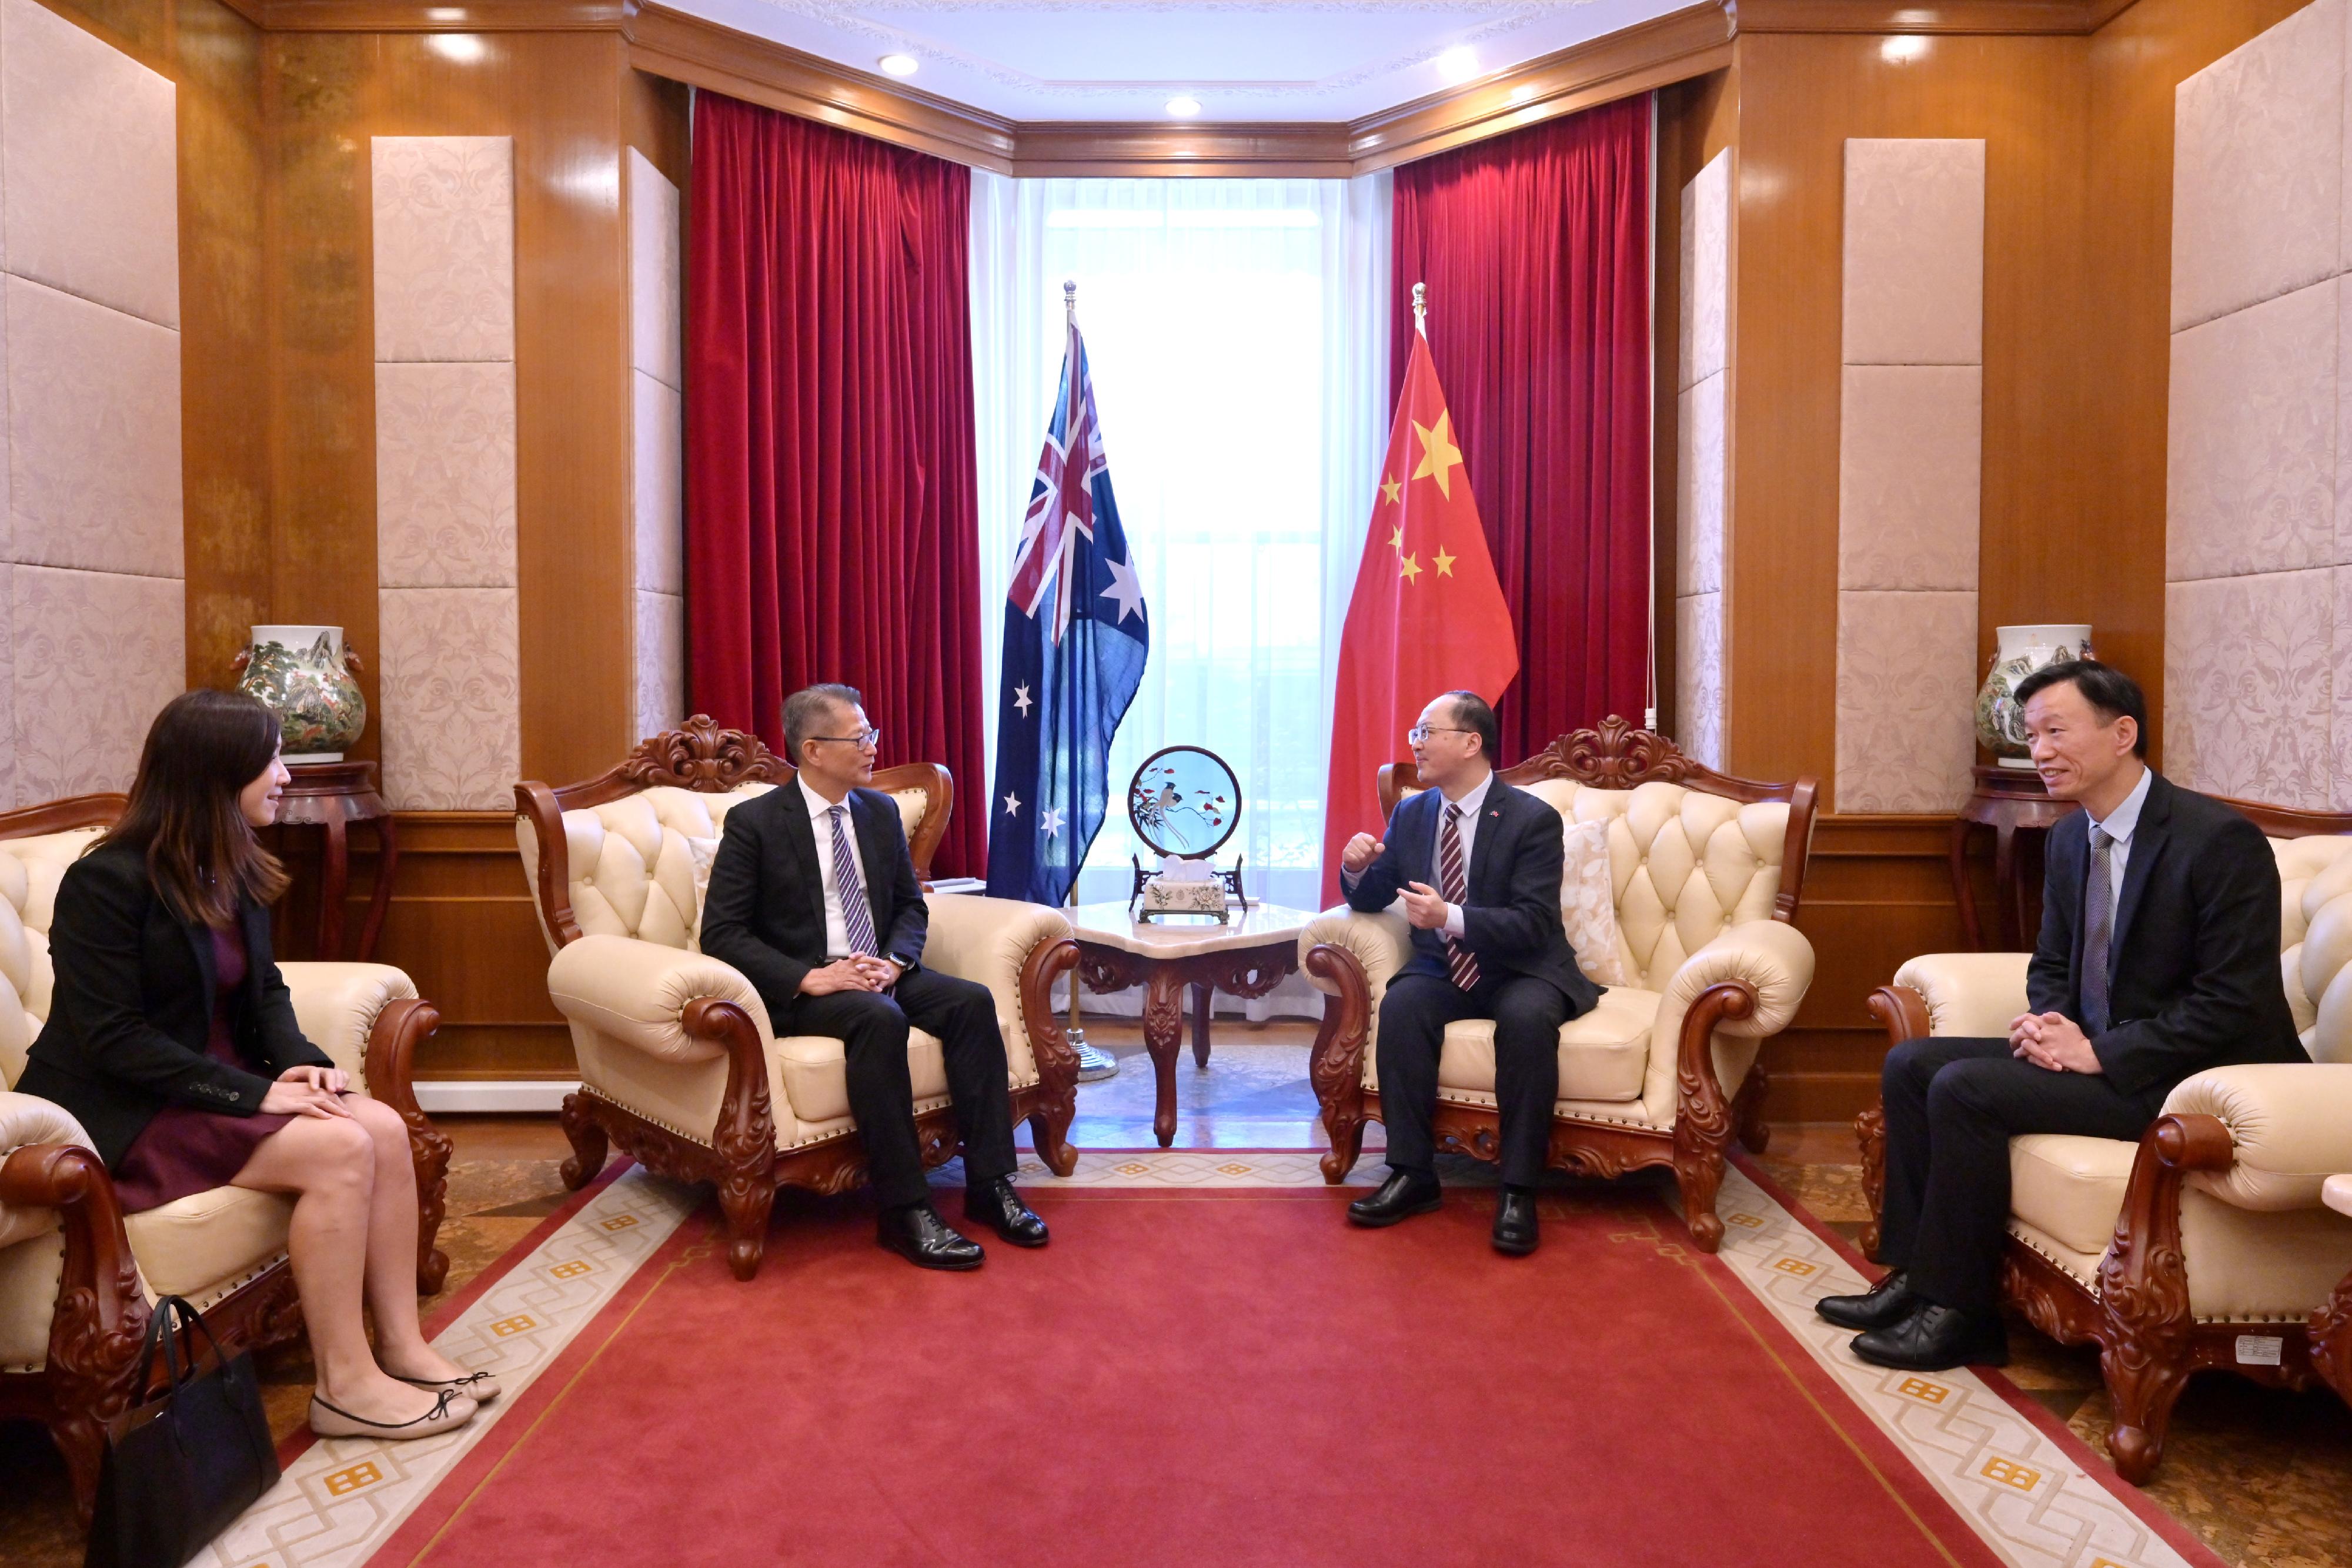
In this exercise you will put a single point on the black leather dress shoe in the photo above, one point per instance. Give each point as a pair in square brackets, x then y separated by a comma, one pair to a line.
[918, 1234]
[1937, 1339]
[996, 1204]
[1883, 1306]
[1514, 1222]
[1402, 1195]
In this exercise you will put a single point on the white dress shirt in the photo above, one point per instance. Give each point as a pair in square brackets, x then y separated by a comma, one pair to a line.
[2118, 826]
[836, 929]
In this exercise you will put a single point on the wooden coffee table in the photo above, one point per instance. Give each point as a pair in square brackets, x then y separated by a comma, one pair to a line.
[1246, 956]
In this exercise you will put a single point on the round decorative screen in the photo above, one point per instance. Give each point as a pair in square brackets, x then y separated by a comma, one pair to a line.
[1184, 801]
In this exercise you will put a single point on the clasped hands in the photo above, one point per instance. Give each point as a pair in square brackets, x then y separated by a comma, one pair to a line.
[308, 1092]
[859, 972]
[1425, 906]
[2052, 1040]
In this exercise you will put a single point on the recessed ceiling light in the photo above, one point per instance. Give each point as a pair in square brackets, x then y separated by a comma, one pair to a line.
[1903, 48]
[899, 65]
[1184, 107]
[1458, 64]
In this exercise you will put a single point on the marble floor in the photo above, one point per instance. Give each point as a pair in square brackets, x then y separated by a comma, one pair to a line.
[2264, 1477]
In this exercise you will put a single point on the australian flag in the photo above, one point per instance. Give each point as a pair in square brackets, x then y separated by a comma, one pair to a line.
[1074, 639]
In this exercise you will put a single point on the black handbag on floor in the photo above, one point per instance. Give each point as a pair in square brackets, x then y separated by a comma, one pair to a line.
[181, 1468]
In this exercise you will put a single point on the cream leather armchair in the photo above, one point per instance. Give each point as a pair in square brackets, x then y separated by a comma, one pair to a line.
[679, 1064]
[1709, 870]
[2207, 1244]
[76, 1275]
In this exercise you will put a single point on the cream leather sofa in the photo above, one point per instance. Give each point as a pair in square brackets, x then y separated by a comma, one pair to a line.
[678, 1062]
[76, 1274]
[2206, 1245]
[1708, 870]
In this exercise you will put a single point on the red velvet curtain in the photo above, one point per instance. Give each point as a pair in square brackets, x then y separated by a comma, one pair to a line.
[1536, 248]
[830, 525]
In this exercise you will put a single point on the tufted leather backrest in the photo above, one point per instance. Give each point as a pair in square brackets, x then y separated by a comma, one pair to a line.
[30, 870]
[1687, 863]
[635, 860]
[2315, 939]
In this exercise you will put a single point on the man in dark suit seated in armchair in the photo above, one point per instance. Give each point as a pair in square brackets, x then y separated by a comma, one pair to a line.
[2158, 959]
[814, 897]
[1478, 865]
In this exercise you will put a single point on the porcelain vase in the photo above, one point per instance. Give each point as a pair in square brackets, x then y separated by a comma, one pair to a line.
[303, 675]
[2017, 652]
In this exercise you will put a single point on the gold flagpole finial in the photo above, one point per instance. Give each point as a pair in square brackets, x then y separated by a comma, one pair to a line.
[1069, 301]
[1421, 307]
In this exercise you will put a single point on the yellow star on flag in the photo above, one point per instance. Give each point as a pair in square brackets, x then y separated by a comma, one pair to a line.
[1411, 569]
[1396, 539]
[1389, 490]
[1439, 455]
[1445, 563]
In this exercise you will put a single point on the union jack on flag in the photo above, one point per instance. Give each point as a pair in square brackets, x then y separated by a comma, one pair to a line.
[1075, 639]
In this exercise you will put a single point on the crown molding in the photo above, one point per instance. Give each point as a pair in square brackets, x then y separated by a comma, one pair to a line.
[2065, 18]
[667, 43]
[1127, 150]
[415, 16]
[1673, 47]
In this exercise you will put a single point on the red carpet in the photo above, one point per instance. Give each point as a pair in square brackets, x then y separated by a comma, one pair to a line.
[1211, 1377]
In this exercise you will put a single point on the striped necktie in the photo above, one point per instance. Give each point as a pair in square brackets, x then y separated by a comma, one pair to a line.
[1456, 888]
[2098, 932]
[855, 916]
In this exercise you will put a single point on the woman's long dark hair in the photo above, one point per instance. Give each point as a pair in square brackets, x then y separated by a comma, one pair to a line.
[201, 751]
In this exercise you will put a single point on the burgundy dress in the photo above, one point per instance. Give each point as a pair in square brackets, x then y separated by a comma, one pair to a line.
[187, 1150]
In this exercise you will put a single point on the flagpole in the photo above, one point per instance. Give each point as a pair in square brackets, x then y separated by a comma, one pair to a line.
[1420, 309]
[1094, 1064]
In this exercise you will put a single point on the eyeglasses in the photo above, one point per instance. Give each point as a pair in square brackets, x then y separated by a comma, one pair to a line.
[1422, 732]
[863, 739]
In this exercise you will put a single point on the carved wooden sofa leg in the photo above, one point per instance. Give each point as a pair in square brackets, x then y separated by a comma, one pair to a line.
[1057, 1060]
[1336, 1066]
[405, 1024]
[590, 1148]
[1702, 1111]
[745, 1140]
[100, 1316]
[2145, 1348]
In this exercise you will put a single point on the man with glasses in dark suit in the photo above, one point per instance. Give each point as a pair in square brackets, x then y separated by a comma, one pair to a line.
[814, 897]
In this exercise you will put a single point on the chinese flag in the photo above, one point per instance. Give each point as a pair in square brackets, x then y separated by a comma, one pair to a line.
[1428, 615]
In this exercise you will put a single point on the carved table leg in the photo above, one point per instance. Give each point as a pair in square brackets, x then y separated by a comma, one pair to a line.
[1963, 894]
[334, 882]
[1163, 1036]
[387, 861]
[2331, 1341]
[2007, 889]
[1202, 996]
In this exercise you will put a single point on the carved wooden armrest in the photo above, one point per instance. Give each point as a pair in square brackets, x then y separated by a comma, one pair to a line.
[2144, 1286]
[405, 1024]
[1335, 1067]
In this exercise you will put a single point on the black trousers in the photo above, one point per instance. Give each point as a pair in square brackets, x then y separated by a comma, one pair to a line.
[873, 1026]
[1952, 1104]
[1528, 1013]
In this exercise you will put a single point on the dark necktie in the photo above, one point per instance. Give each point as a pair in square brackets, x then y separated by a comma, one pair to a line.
[855, 917]
[1456, 888]
[2098, 932]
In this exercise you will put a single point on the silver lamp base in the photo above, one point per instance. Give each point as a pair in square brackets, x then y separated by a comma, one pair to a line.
[1093, 1065]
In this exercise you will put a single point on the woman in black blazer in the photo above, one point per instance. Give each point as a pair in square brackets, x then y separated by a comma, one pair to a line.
[171, 1038]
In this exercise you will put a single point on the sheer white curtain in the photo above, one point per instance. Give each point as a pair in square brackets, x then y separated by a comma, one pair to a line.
[1237, 331]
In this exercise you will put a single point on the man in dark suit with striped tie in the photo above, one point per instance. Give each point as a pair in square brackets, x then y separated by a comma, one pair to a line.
[814, 897]
[1477, 864]
[2158, 959]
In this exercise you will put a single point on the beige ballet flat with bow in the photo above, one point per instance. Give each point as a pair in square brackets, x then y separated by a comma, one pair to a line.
[451, 1412]
[481, 1387]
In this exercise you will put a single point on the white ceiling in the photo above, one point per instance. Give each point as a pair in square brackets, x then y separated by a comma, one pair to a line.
[1123, 59]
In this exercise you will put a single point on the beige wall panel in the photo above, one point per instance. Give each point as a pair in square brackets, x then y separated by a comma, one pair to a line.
[1699, 675]
[2251, 467]
[93, 435]
[444, 235]
[658, 426]
[97, 654]
[2257, 173]
[656, 275]
[444, 445]
[1910, 463]
[89, 166]
[1907, 697]
[1706, 270]
[8, 795]
[2248, 680]
[451, 697]
[1701, 472]
[1913, 278]
[661, 662]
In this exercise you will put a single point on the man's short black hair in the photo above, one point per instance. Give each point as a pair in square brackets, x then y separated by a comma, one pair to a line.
[1471, 712]
[808, 711]
[2111, 694]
